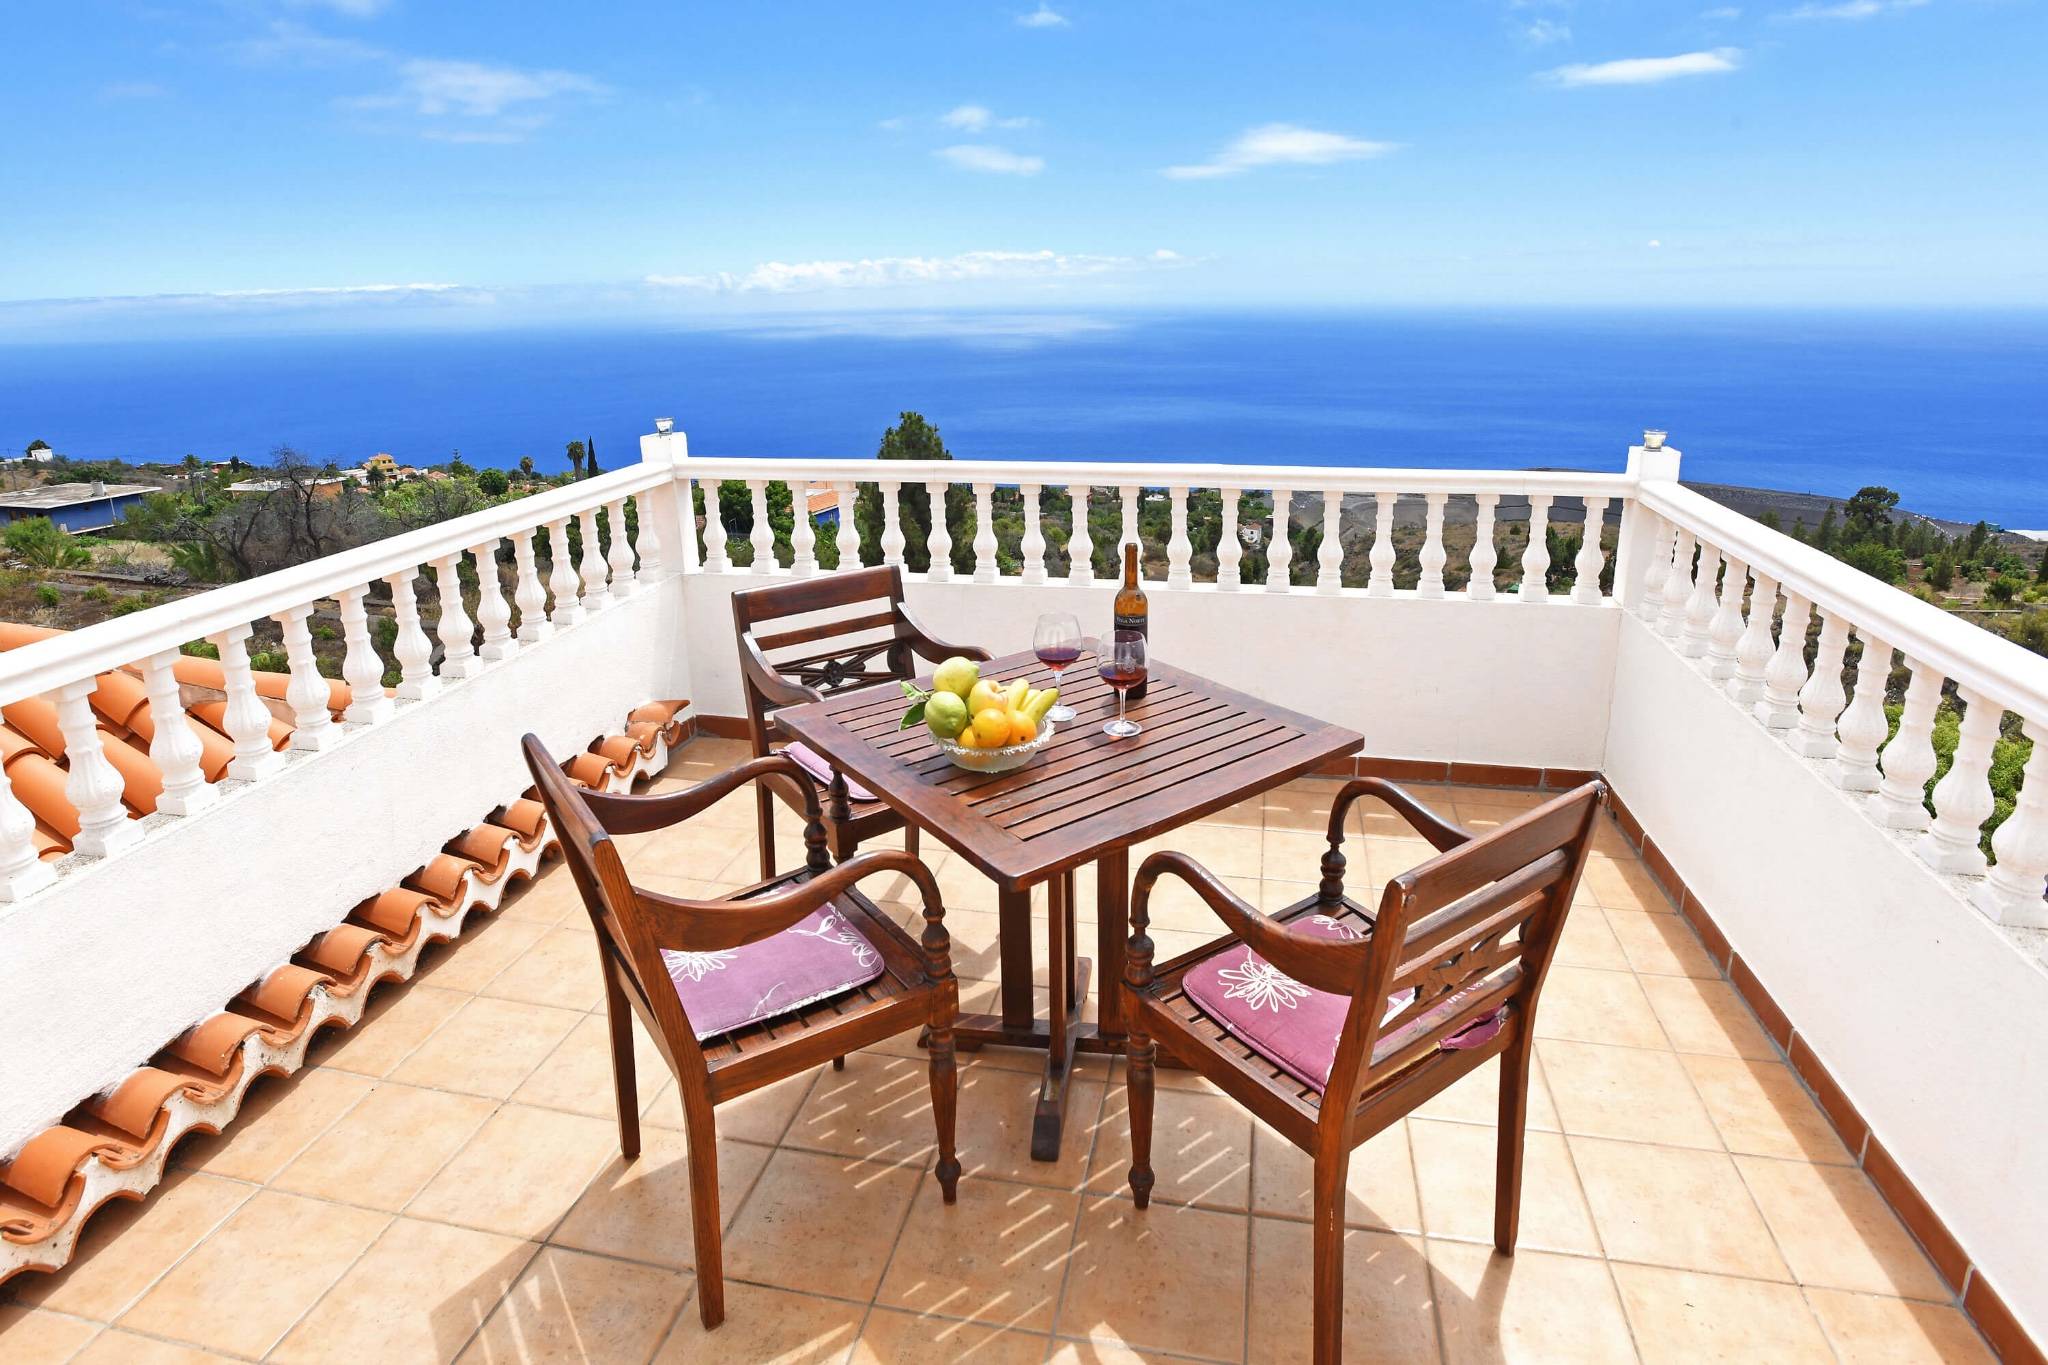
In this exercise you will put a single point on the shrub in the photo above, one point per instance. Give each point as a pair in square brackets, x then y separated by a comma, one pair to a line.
[48, 595]
[98, 595]
[270, 661]
[1941, 573]
[39, 541]
[200, 649]
[493, 483]
[1881, 562]
[2000, 590]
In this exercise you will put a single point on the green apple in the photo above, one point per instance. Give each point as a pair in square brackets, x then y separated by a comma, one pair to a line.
[956, 675]
[985, 693]
[945, 715]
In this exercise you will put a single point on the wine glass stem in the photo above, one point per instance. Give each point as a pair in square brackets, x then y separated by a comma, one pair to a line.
[1121, 693]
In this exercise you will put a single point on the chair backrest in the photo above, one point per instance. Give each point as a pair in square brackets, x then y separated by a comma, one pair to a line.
[1463, 935]
[835, 647]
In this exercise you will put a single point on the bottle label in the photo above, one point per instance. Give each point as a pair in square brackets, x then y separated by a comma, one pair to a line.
[1138, 621]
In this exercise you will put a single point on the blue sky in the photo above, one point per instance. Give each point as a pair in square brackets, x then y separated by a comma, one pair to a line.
[374, 161]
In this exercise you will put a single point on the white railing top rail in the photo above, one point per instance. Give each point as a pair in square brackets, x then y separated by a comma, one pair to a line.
[38, 668]
[1103, 474]
[1974, 657]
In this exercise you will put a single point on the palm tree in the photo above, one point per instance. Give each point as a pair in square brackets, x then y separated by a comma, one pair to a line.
[526, 466]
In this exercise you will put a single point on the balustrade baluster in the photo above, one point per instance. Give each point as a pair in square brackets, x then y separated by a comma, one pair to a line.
[1130, 536]
[1909, 760]
[1821, 700]
[1724, 632]
[590, 567]
[893, 539]
[1699, 608]
[1330, 554]
[493, 612]
[803, 537]
[562, 580]
[1862, 727]
[1080, 545]
[1280, 552]
[1536, 556]
[1785, 675]
[530, 594]
[455, 630]
[173, 746]
[1656, 568]
[415, 653]
[939, 544]
[1032, 544]
[361, 669]
[847, 537]
[716, 557]
[1592, 560]
[1753, 651]
[246, 718]
[94, 785]
[1180, 551]
[1485, 554]
[985, 568]
[1963, 799]
[307, 692]
[1431, 582]
[649, 543]
[2012, 894]
[1677, 587]
[1380, 580]
[620, 557]
[762, 537]
[22, 870]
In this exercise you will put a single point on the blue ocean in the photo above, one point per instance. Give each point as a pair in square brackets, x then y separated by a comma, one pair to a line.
[1949, 409]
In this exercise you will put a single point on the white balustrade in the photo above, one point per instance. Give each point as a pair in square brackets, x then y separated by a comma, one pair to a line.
[649, 543]
[1380, 582]
[717, 559]
[1785, 675]
[1656, 568]
[803, 535]
[1536, 555]
[1700, 607]
[22, 870]
[1485, 554]
[1129, 493]
[1677, 586]
[93, 785]
[1963, 799]
[361, 669]
[455, 630]
[306, 692]
[1724, 632]
[1180, 551]
[530, 595]
[1229, 551]
[1861, 730]
[415, 653]
[1431, 581]
[1909, 760]
[939, 544]
[2012, 893]
[590, 563]
[562, 579]
[1821, 700]
[619, 557]
[847, 537]
[246, 717]
[493, 612]
[985, 567]
[1032, 544]
[761, 537]
[1280, 553]
[1080, 546]
[1592, 560]
[1753, 650]
[1330, 553]
[173, 745]
[893, 539]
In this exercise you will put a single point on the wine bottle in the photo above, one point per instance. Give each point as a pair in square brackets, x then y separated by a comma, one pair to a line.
[1132, 611]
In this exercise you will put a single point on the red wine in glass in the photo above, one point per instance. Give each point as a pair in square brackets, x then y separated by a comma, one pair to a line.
[1057, 643]
[1123, 667]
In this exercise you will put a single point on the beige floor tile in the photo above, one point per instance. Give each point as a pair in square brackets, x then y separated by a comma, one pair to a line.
[1682, 1317]
[1623, 884]
[815, 1220]
[1622, 1092]
[487, 947]
[1386, 859]
[1454, 1166]
[548, 899]
[1762, 1110]
[1588, 941]
[583, 1309]
[892, 1338]
[1106, 1352]
[996, 1256]
[1529, 1307]
[399, 1019]
[1297, 856]
[1476, 1099]
[1707, 1017]
[116, 1347]
[127, 1245]
[1170, 1278]
[1249, 813]
[37, 1334]
[1308, 811]
[1201, 1148]
[1868, 1330]
[488, 1048]
[560, 970]
[1278, 896]
[520, 1173]
[1582, 1005]
[1174, 904]
[279, 1120]
[1672, 1206]
[1227, 850]
[641, 1209]
[758, 1116]
[245, 1285]
[1836, 1230]
[1661, 945]
[418, 1295]
[387, 1149]
[765, 1327]
[879, 1109]
[1380, 1181]
[1388, 1315]
[704, 853]
[577, 1076]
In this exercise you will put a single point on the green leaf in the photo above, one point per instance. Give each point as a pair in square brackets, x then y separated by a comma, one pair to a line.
[912, 716]
[913, 691]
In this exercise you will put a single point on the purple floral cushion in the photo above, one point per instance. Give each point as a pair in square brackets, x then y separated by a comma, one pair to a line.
[1295, 1026]
[814, 763]
[818, 956]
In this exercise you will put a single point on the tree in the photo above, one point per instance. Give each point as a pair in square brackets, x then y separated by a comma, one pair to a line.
[1881, 562]
[2041, 569]
[1770, 520]
[1824, 534]
[1941, 572]
[526, 466]
[913, 438]
[33, 446]
[459, 467]
[590, 469]
[2001, 590]
[1869, 513]
[377, 479]
[576, 458]
[493, 483]
[40, 542]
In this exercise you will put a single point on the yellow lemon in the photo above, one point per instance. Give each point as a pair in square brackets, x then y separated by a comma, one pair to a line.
[992, 727]
[1022, 728]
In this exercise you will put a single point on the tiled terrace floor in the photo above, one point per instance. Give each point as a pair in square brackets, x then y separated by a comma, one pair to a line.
[444, 1183]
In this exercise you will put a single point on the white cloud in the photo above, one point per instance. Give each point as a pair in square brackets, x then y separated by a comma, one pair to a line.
[133, 90]
[1280, 144]
[1045, 16]
[976, 118]
[971, 156]
[285, 41]
[1849, 9]
[882, 272]
[1646, 70]
[1543, 32]
[1722, 14]
[893, 125]
[354, 9]
[479, 89]
[1653, 243]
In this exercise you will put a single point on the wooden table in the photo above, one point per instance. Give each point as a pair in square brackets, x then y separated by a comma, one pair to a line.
[1085, 798]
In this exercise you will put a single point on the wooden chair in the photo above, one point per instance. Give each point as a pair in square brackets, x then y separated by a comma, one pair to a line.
[914, 990]
[827, 656]
[1341, 1021]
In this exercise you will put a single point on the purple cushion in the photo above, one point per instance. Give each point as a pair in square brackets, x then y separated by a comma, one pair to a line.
[1295, 1026]
[812, 762]
[818, 956]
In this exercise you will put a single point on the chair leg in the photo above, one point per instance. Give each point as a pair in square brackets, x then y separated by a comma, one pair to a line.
[1331, 1170]
[764, 829]
[910, 840]
[625, 1092]
[945, 1076]
[1139, 1055]
[1507, 1175]
[839, 1063]
[705, 1220]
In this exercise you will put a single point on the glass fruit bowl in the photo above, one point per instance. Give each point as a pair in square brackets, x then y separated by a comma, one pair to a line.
[1005, 759]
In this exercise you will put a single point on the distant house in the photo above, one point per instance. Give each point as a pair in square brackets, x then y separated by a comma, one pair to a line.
[329, 487]
[76, 507]
[823, 504]
[37, 453]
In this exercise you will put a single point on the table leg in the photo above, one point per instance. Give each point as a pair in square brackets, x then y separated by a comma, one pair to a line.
[1112, 912]
[1066, 978]
[1013, 927]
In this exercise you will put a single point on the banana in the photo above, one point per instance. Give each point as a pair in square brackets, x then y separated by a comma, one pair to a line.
[1040, 703]
[1016, 698]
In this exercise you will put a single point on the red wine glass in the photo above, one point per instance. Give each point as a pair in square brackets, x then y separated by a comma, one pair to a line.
[1123, 667]
[1057, 642]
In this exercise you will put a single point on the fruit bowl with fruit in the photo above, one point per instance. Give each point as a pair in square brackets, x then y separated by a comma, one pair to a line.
[980, 724]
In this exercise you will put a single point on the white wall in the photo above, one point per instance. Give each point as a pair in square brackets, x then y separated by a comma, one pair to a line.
[101, 970]
[1493, 682]
[1930, 1019]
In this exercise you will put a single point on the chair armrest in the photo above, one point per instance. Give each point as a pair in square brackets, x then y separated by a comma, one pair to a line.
[1441, 833]
[928, 646]
[1327, 965]
[620, 813]
[760, 675]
